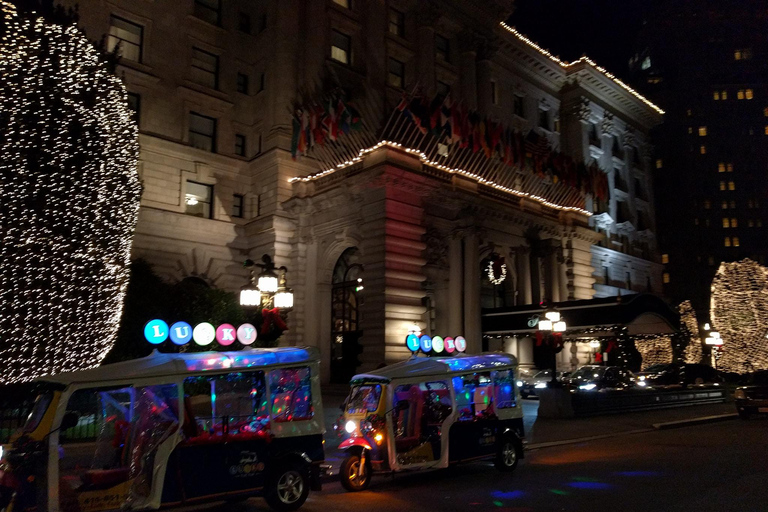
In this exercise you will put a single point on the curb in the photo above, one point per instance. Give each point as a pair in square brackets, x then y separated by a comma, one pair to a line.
[550, 444]
[695, 421]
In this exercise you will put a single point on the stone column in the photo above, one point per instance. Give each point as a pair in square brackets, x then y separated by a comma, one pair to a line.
[523, 261]
[472, 327]
[484, 76]
[468, 47]
[535, 272]
[455, 286]
[552, 276]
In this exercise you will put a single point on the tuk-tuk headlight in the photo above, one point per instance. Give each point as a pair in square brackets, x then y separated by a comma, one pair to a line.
[378, 438]
[350, 427]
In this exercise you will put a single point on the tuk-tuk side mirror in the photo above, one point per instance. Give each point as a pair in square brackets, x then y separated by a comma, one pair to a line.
[401, 405]
[69, 420]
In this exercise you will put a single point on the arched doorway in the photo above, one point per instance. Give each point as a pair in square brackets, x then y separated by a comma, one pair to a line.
[345, 316]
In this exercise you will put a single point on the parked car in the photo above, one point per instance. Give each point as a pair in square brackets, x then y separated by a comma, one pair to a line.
[595, 378]
[677, 375]
[539, 380]
[752, 398]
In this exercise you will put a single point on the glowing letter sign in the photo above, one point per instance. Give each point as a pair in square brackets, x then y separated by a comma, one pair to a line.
[204, 334]
[246, 334]
[225, 334]
[156, 331]
[181, 333]
[437, 345]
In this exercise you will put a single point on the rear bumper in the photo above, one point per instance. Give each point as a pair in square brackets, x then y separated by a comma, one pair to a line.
[752, 405]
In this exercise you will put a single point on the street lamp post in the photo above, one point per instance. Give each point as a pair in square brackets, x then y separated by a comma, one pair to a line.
[551, 324]
[267, 289]
[714, 340]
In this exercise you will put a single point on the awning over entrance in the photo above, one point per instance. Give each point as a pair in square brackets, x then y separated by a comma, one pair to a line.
[643, 314]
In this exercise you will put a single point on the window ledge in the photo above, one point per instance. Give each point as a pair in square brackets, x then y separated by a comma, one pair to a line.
[191, 88]
[208, 24]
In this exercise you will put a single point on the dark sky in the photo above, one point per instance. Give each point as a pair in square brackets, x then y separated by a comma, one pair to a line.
[605, 30]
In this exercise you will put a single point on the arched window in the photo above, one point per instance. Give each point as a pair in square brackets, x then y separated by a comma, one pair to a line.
[347, 285]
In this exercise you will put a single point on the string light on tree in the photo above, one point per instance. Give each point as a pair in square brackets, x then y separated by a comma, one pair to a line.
[497, 270]
[739, 312]
[70, 187]
[654, 350]
[689, 324]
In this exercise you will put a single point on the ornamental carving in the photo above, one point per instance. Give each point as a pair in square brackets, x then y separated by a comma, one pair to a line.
[629, 138]
[436, 252]
[607, 124]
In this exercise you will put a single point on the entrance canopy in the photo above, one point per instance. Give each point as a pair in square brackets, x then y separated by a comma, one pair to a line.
[643, 314]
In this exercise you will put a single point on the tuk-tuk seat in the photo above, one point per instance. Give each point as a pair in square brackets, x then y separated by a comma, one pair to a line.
[105, 478]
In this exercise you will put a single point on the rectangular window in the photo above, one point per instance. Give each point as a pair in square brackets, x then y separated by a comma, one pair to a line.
[703, 150]
[396, 75]
[237, 205]
[129, 36]
[665, 258]
[205, 68]
[734, 223]
[766, 130]
[707, 204]
[722, 185]
[659, 163]
[702, 131]
[733, 205]
[544, 119]
[735, 241]
[242, 83]
[198, 200]
[716, 95]
[721, 167]
[742, 54]
[666, 277]
[262, 81]
[731, 185]
[240, 145]
[396, 23]
[442, 48]
[749, 94]
[725, 205]
[226, 406]
[290, 394]
[262, 23]
[518, 106]
[243, 22]
[726, 222]
[208, 10]
[202, 132]
[134, 103]
[341, 47]
[504, 383]
[727, 241]
[724, 95]
[473, 395]
[740, 94]
[494, 93]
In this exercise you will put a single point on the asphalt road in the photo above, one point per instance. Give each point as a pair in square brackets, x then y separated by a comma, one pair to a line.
[714, 467]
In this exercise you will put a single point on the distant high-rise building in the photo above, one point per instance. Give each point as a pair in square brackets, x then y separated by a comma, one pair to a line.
[706, 63]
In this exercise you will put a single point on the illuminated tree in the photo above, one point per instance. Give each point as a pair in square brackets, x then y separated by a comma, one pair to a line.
[692, 352]
[70, 198]
[654, 350]
[739, 312]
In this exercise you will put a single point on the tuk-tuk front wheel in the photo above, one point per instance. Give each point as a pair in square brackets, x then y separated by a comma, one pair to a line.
[287, 486]
[507, 456]
[351, 475]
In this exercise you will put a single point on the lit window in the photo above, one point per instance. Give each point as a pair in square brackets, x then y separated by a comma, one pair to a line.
[735, 241]
[442, 48]
[724, 95]
[722, 185]
[729, 168]
[690, 129]
[557, 124]
[766, 130]
[128, 35]
[665, 258]
[703, 150]
[666, 277]
[725, 205]
[205, 68]
[659, 163]
[208, 10]
[734, 223]
[198, 199]
[396, 76]
[716, 95]
[202, 132]
[396, 23]
[737, 54]
[341, 47]
[726, 222]
[733, 205]
[689, 112]
[727, 241]
[731, 185]
[765, 111]
[721, 167]
[740, 94]
[240, 145]
[749, 94]
[702, 131]
[707, 204]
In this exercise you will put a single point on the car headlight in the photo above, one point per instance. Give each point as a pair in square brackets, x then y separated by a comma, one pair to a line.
[519, 383]
[588, 387]
[642, 377]
[350, 427]
[740, 394]
[1, 453]
[642, 383]
[540, 385]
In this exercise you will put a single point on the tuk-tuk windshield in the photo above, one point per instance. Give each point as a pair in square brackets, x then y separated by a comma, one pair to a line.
[42, 403]
[364, 399]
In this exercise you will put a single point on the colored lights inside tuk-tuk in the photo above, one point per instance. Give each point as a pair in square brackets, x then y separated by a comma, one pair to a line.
[436, 345]
[180, 333]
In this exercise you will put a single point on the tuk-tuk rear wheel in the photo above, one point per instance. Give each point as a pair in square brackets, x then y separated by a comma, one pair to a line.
[508, 455]
[287, 486]
[350, 476]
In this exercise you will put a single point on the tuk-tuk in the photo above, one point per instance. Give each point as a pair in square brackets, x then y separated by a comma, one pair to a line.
[171, 429]
[432, 412]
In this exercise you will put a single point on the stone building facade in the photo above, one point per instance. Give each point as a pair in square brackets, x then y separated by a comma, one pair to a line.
[215, 84]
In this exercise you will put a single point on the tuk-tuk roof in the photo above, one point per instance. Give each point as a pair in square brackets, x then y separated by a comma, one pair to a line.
[461, 363]
[159, 364]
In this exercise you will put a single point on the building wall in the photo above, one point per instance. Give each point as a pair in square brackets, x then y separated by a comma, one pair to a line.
[421, 237]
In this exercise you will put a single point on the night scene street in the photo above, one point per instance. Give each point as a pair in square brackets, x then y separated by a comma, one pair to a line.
[383, 255]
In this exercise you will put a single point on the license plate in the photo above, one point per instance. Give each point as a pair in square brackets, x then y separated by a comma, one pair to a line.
[762, 409]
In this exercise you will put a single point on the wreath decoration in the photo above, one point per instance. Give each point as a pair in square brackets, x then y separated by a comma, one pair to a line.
[496, 270]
